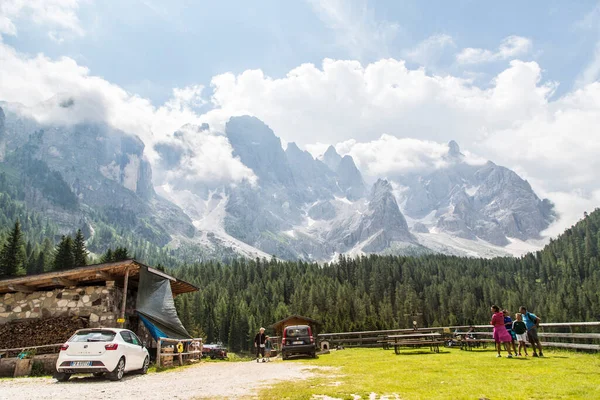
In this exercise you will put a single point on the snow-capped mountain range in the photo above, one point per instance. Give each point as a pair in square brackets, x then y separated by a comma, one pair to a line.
[299, 206]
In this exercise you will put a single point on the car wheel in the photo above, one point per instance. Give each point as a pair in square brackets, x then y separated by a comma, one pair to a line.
[144, 369]
[284, 356]
[62, 376]
[98, 374]
[313, 354]
[212, 357]
[118, 372]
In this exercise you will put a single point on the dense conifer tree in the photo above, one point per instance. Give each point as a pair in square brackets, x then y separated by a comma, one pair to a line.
[13, 255]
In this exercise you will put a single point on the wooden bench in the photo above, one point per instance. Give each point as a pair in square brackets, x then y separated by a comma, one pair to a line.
[434, 345]
[431, 340]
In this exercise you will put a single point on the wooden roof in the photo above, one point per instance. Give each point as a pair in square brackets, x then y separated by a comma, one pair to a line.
[87, 275]
[279, 324]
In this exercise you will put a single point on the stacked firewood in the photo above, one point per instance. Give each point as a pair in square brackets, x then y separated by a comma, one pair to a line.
[39, 332]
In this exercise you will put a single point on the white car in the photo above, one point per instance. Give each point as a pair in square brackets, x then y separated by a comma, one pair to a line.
[100, 351]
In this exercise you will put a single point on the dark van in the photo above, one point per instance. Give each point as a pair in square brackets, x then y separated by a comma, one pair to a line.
[298, 339]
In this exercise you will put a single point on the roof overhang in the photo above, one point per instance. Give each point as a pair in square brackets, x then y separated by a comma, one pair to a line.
[90, 274]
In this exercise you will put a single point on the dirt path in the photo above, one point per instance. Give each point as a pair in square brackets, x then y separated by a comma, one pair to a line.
[205, 380]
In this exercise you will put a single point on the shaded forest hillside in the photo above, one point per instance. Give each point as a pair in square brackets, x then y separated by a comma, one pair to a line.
[559, 283]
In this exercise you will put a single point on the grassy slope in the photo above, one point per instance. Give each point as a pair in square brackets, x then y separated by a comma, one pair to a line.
[451, 374]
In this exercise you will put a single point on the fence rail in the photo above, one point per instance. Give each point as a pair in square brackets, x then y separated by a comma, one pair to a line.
[6, 352]
[192, 348]
[580, 335]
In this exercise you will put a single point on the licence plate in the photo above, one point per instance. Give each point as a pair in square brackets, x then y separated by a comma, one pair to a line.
[298, 342]
[81, 363]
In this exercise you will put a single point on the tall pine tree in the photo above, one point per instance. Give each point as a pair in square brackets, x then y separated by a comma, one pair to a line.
[79, 251]
[12, 255]
[64, 258]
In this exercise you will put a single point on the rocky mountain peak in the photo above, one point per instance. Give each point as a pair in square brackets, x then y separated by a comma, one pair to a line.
[259, 149]
[292, 148]
[385, 220]
[350, 179]
[381, 186]
[454, 150]
[331, 158]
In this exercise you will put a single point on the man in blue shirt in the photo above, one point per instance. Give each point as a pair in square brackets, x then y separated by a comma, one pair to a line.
[532, 322]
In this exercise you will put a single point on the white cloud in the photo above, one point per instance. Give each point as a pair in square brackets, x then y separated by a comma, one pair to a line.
[355, 27]
[57, 15]
[429, 51]
[510, 47]
[393, 156]
[344, 99]
[43, 85]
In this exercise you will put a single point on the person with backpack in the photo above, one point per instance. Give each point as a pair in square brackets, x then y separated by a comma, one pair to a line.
[532, 322]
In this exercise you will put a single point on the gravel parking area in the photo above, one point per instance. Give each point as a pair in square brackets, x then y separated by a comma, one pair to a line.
[206, 380]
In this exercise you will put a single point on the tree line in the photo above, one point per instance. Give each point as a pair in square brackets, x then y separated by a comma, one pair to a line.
[18, 258]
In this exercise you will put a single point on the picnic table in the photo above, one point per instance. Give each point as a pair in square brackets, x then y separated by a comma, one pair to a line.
[423, 339]
[469, 340]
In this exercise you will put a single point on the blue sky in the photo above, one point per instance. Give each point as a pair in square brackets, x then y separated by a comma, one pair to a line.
[149, 48]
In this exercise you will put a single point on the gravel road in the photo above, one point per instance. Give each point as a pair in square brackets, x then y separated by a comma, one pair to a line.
[206, 380]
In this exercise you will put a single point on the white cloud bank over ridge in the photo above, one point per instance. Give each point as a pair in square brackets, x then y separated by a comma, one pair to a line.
[41, 84]
[554, 144]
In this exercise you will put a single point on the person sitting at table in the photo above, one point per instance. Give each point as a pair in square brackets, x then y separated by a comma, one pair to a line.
[469, 334]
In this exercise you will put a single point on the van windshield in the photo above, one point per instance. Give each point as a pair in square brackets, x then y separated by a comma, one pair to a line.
[294, 332]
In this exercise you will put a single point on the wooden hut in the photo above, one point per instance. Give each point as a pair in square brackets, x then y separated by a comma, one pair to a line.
[279, 326]
[51, 305]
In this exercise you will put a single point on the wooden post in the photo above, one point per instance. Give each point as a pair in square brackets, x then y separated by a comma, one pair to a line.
[125, 284]
[158, 351]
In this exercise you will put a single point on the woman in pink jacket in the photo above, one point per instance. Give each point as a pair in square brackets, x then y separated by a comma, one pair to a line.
[501, 335]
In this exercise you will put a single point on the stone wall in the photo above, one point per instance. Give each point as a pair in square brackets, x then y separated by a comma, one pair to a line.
[101, 304]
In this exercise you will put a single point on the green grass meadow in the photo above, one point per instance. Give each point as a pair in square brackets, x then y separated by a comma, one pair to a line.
[450, 374]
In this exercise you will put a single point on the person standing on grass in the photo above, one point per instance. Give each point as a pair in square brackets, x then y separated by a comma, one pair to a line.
[520, 329]
[508, 322]
[259, 344]
[532, 322]
[501, 335]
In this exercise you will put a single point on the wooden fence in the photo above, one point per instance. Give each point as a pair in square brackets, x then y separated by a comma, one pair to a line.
[45, 349]
[168, 349]
[570, 335]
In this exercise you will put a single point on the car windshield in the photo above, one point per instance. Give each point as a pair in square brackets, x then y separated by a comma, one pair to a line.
[293, 332]
[93, 336]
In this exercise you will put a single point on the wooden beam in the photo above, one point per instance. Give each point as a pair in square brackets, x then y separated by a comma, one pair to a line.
[125, 284]
[21, 288]
[64, 282]
[106, 276]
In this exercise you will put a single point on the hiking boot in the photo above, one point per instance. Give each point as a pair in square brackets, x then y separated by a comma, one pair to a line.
[509, 356]
[498, 356]
[541, 354]
[535, 355]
